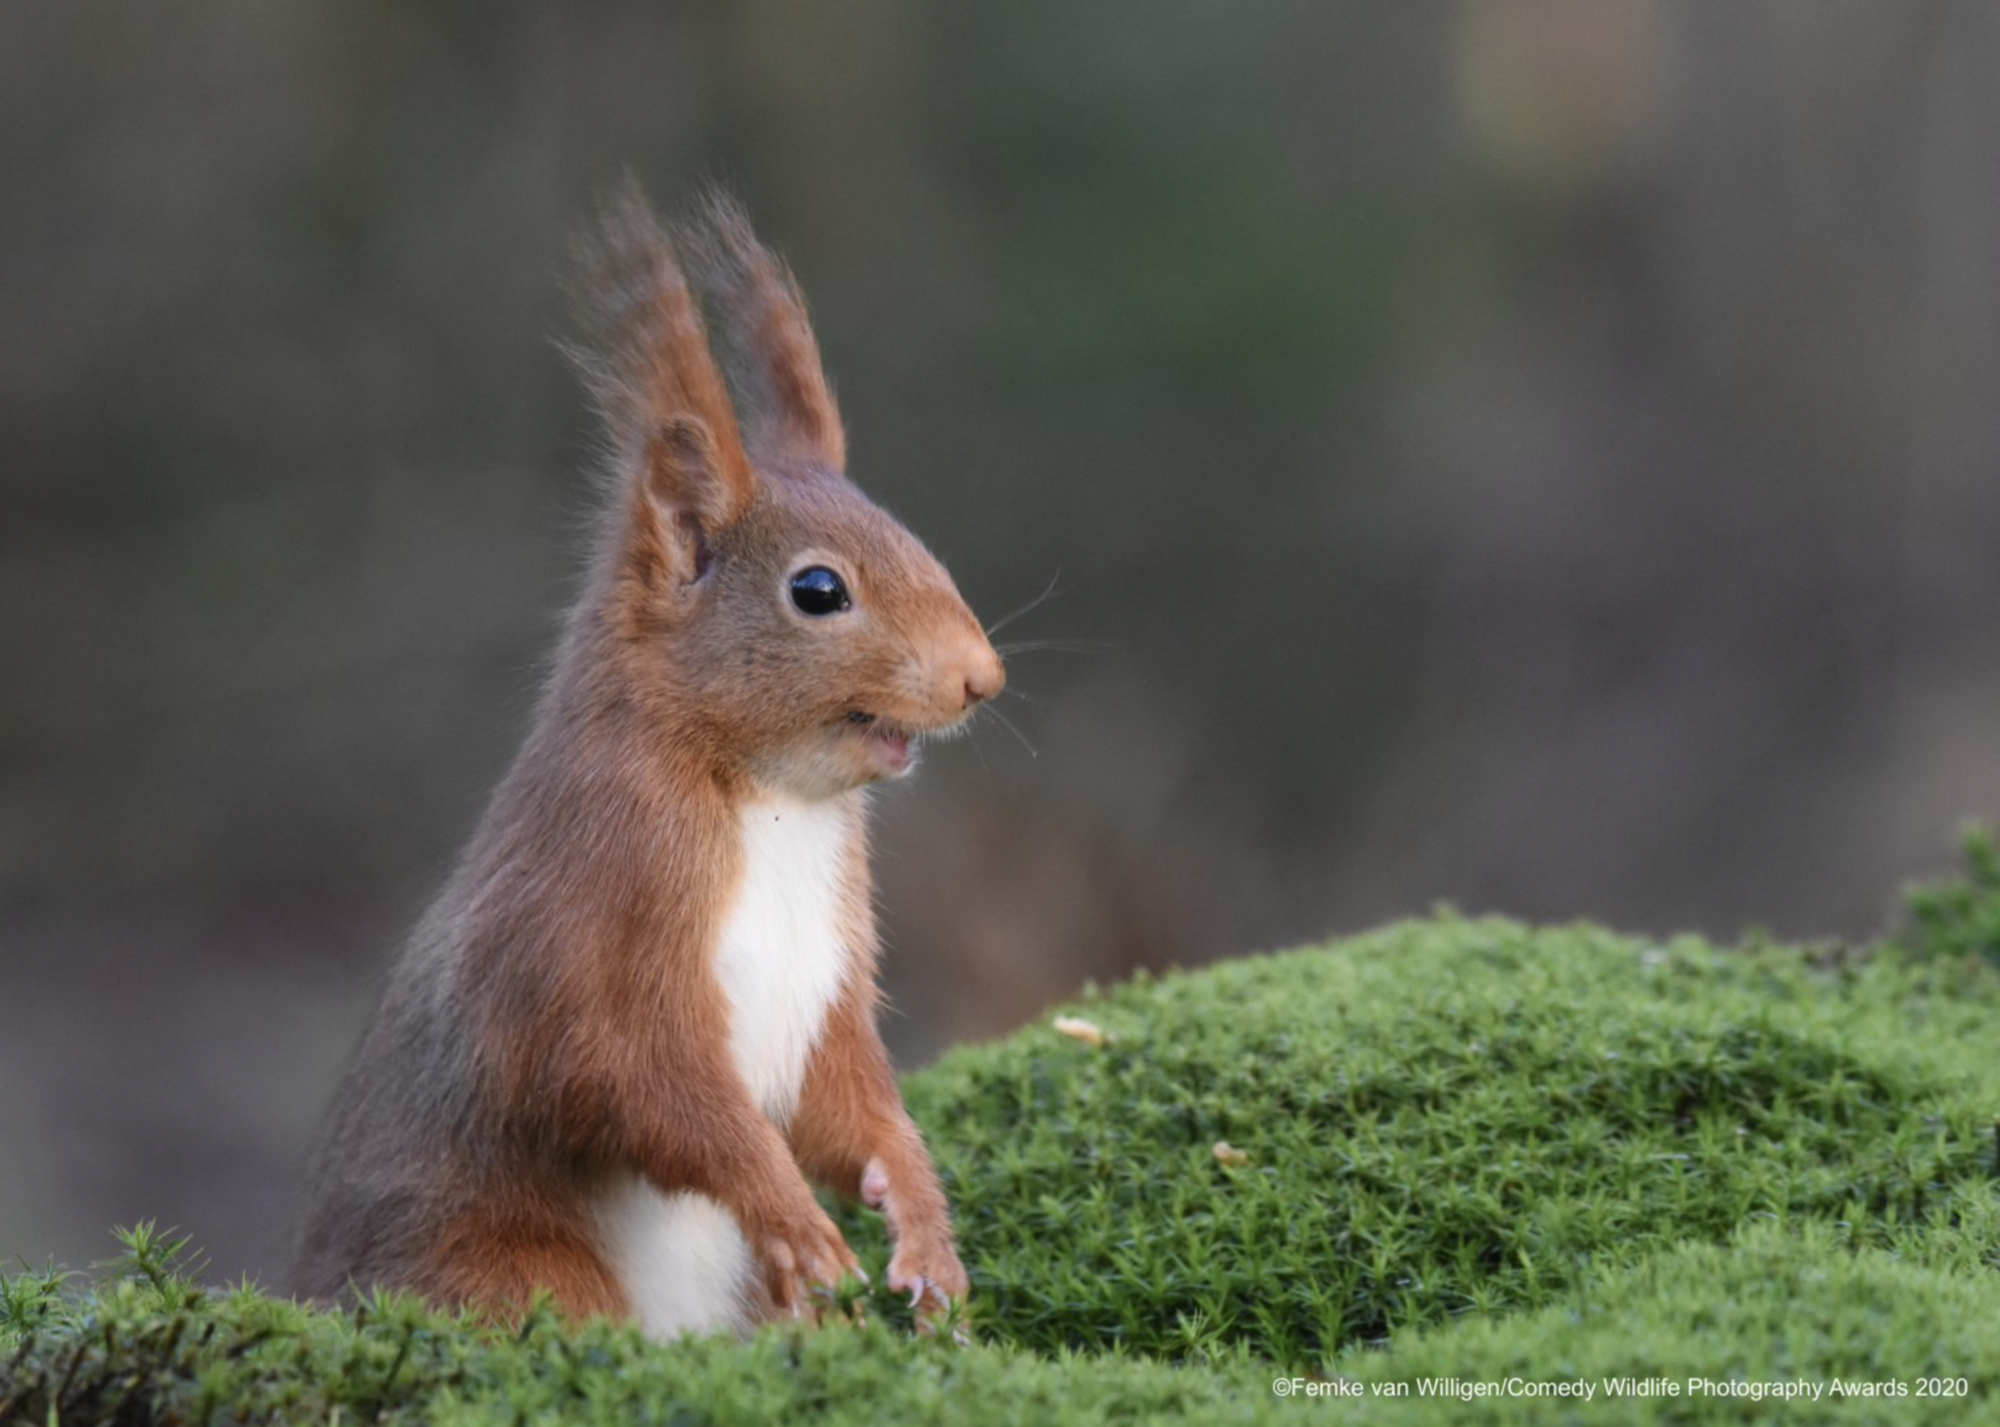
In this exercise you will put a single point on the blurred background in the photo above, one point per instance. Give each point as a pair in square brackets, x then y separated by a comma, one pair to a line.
[1542, 456]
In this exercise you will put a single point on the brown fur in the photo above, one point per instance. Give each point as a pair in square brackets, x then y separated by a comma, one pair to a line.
[556, 1020]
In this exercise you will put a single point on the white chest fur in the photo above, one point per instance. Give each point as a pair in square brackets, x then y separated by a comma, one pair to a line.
[780, 959]
[779, 963]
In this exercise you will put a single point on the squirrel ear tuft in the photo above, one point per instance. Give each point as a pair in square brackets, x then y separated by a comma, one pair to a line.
[681, 470]
[776, 361]
[646, 359]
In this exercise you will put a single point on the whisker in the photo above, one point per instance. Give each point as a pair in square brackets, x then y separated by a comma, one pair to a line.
[1007, 619]
[1008, 724]
[1056, 646]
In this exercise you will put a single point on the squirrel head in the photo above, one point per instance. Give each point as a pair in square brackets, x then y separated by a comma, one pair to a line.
[778, 624]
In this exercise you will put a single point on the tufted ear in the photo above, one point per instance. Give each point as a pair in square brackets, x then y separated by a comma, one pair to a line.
[775, 359]
[681, 503]
[648, 363]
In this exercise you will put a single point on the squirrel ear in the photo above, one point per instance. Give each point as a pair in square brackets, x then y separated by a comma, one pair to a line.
[649, 366]
[681, 502]
[775, 357]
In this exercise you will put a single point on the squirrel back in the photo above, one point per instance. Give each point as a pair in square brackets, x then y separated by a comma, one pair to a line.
[640, 1016]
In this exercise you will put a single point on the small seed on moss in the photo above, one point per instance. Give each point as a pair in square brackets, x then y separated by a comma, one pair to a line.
[1077, 1029]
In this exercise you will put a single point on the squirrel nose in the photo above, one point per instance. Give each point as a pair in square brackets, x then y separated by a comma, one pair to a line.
[984, 678]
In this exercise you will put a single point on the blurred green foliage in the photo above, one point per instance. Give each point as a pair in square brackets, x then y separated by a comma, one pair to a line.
[1960, 916]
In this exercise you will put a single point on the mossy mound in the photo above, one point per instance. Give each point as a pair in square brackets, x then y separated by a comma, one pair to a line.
[1444, 1118]
[1777, 1324]
[145, 1351]
[1460, 1158]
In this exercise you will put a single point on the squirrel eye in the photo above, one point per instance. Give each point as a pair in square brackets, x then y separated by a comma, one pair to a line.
[816, 590]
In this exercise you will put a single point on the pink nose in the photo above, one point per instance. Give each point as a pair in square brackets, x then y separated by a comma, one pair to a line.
[984, 677]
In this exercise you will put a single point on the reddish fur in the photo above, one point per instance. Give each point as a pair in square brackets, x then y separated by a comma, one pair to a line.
[779, 343]
[851, 1113]
[556, 1020]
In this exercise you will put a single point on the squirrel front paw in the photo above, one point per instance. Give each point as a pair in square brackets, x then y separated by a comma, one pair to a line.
[924, 1262]
[927, 1268]
[802, 1254]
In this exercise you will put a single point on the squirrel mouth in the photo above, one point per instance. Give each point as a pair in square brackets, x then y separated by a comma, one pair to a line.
[891, 748]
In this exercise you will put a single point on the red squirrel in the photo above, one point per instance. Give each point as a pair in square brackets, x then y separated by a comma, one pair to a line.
[640, 1018]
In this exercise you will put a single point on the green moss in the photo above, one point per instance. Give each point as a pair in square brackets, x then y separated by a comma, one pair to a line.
[124, 1356]
[1443, 1118]
[1470, 1152]
[1961, 915]
[1792, 1310]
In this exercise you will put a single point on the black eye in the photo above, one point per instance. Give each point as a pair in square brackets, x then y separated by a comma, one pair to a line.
[816, 590]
